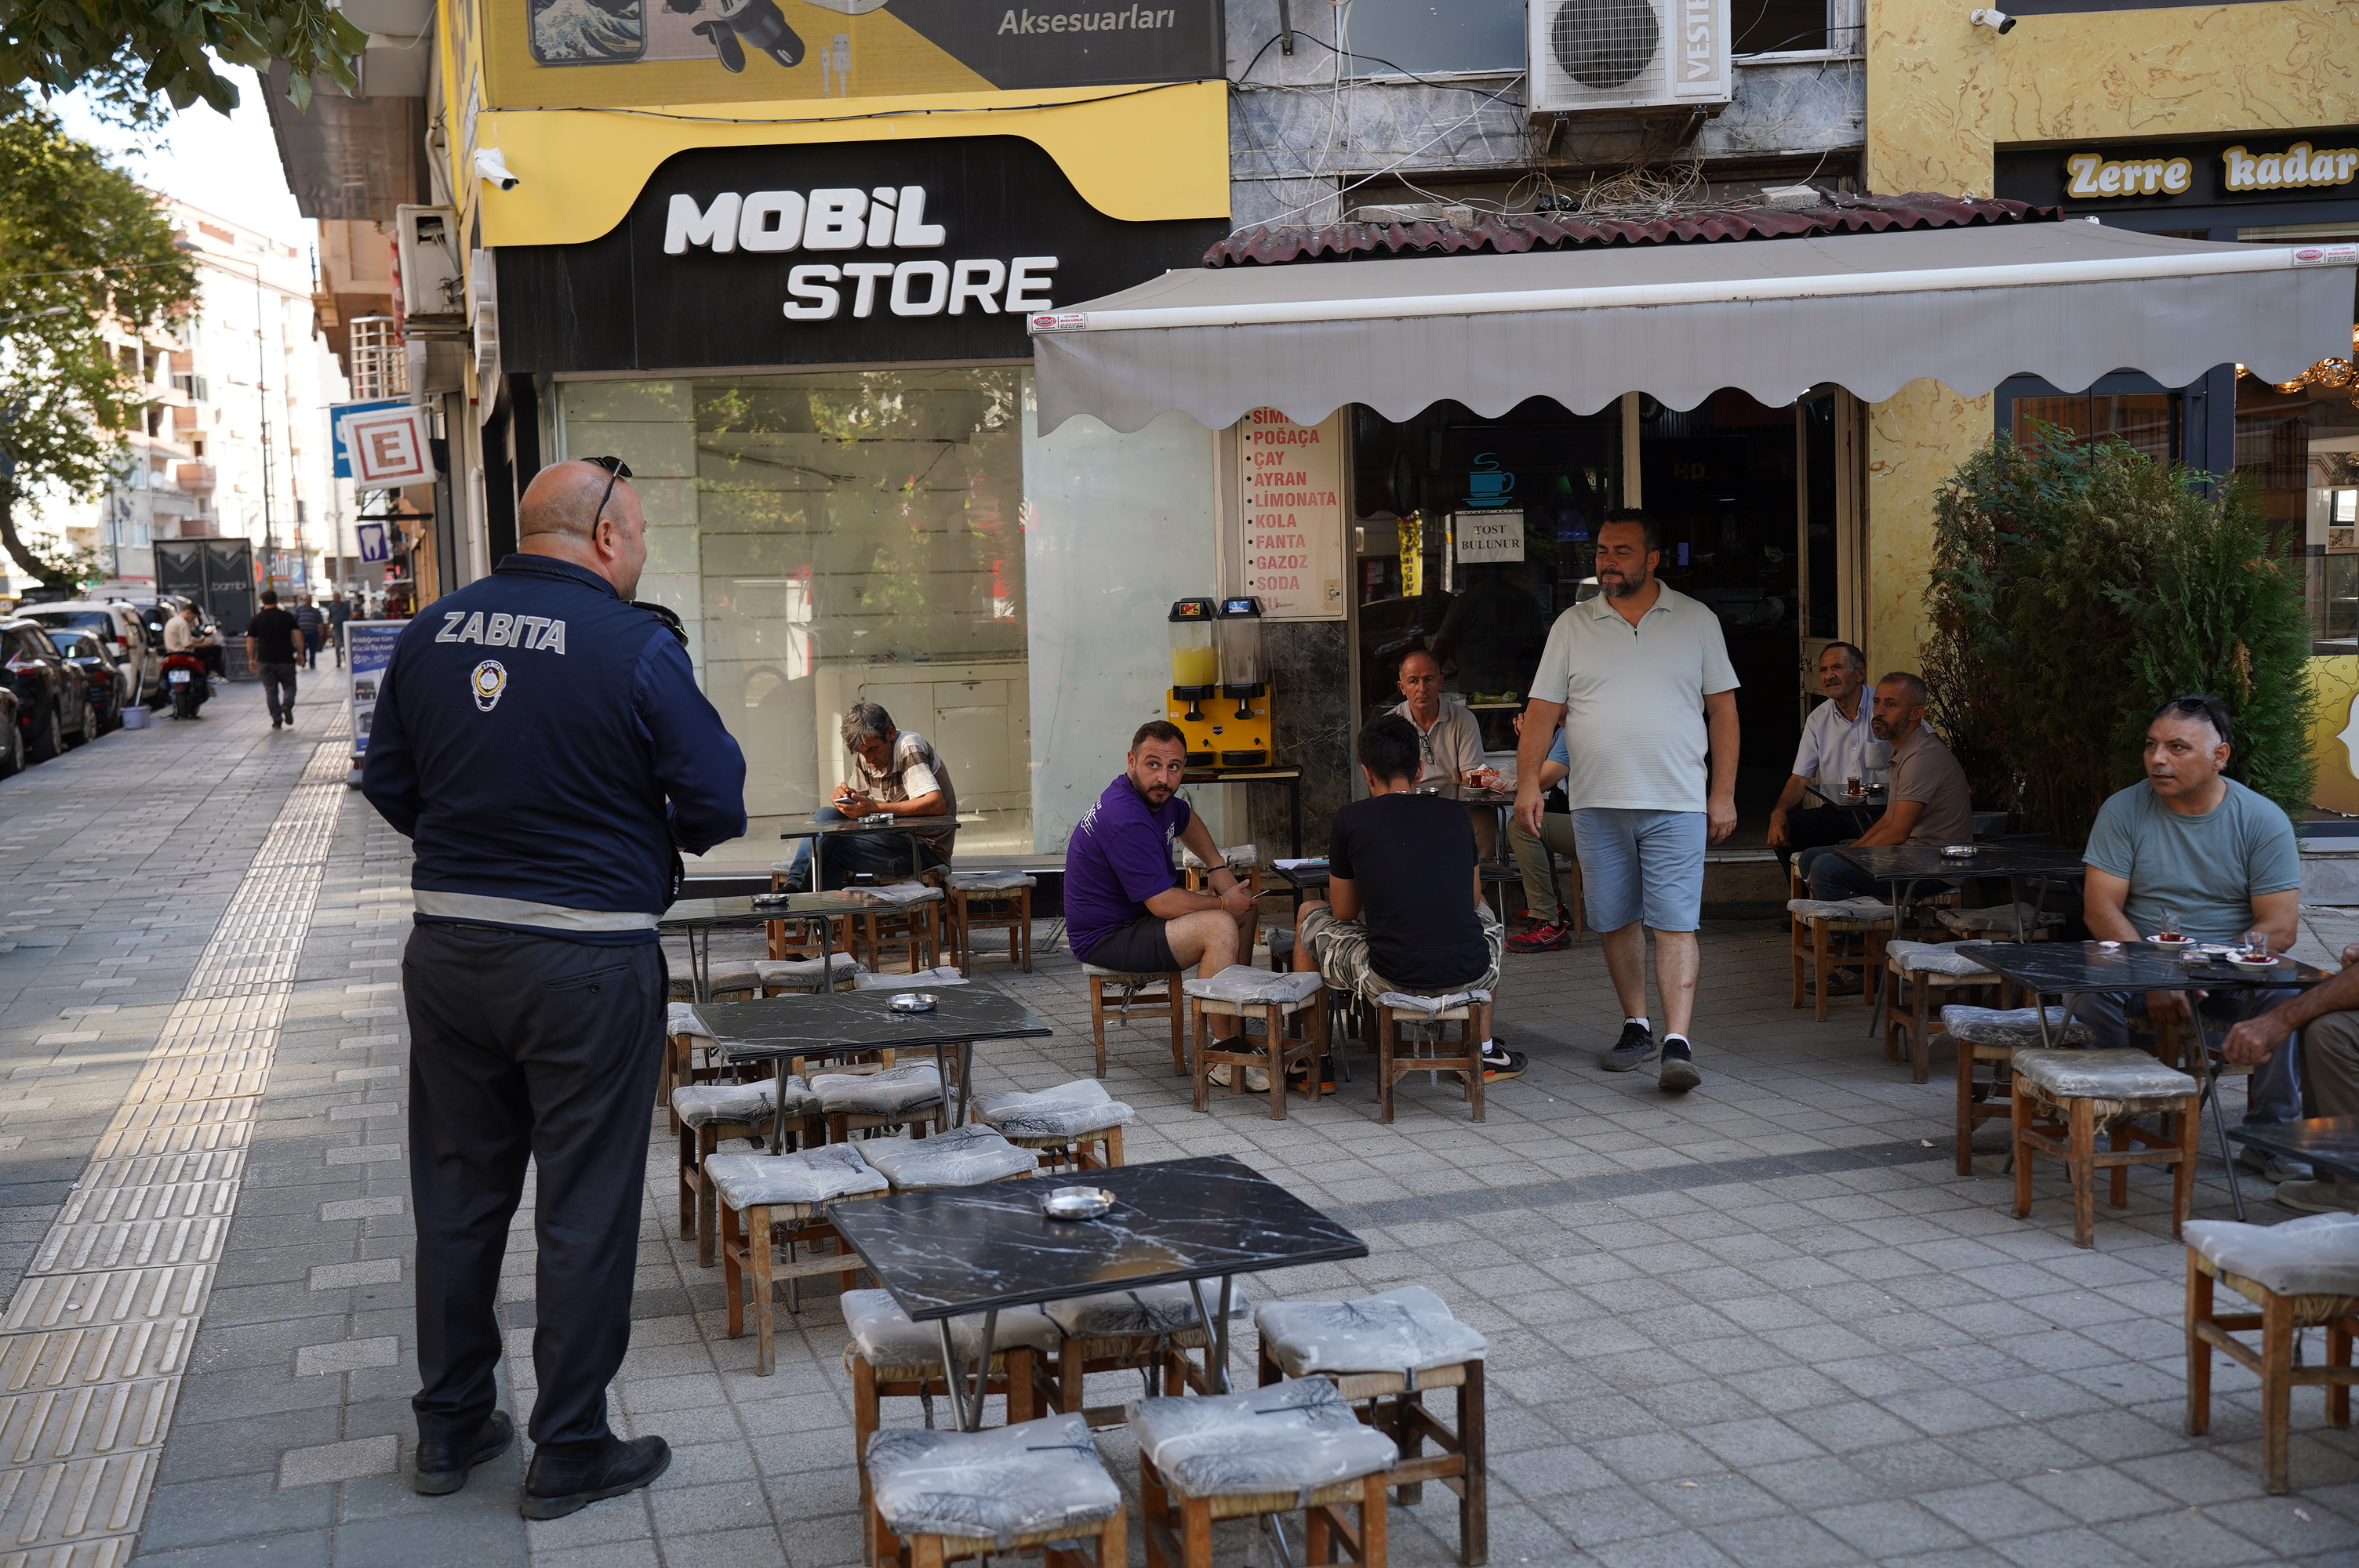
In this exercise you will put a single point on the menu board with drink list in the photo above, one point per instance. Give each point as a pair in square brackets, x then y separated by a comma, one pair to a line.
[1291, 479]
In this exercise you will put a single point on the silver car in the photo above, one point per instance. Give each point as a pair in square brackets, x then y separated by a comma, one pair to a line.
[119, 626]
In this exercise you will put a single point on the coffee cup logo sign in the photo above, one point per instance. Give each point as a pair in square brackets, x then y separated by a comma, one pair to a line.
[2299, 166]
[846, 217]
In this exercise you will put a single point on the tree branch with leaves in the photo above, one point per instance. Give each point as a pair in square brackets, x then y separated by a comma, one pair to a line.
[132, 56]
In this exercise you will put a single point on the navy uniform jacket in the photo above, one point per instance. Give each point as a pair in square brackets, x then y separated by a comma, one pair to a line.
[544, 744]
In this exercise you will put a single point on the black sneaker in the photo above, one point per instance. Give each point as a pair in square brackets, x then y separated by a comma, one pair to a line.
[1678, 1074]
[559, 1485]
[1501, 1063]
[1635, 1046]
[442, 1467]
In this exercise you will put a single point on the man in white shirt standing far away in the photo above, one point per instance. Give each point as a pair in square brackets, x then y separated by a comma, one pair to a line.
[1839, 745]
[1641, 677]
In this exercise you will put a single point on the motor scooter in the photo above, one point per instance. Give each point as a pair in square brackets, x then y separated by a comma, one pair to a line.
[185, 678]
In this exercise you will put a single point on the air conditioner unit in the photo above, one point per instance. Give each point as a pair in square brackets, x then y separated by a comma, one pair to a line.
[433, 279]
[1626, 56]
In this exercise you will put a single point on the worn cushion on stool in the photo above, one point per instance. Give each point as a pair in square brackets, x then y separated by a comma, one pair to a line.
[1156, 1309]
[1242, 985]
[2013, 1028]
[889, 1093]
[807, 1176]
[729, 975]
[680, 1018]
[1282, 941]
[1406, 1331]
[1030, 1479]
[884, 1335]
[1935, 958]
[1066, 1111]
[1453, 1005]
[2122, 1073]
[945, 976]
[1999, 919]
[960, 1158]
[805, 972]
[990, 882]
[1295, 1436]
[903, 894]
[710, 1105]
[1862, 909]
[1131, 978]
[2317, 1255]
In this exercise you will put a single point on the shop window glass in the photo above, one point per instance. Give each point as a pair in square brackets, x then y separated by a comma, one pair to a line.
[1386, 37]
[2147, 420]
[2299, 452]
[1783, 26]
[841, 536]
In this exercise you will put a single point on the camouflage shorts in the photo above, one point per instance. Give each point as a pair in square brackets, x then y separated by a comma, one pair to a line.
[1341, 949]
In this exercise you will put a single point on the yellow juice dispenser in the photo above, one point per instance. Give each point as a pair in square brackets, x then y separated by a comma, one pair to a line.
[1242, 736]
[1195, 678]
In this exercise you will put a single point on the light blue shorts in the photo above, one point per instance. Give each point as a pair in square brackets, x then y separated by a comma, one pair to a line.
[1639, 864]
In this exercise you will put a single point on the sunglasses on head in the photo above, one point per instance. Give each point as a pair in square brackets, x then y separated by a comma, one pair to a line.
[615, 468]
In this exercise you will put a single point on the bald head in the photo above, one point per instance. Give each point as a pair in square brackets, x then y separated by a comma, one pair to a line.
[561, 516]
[563, 499]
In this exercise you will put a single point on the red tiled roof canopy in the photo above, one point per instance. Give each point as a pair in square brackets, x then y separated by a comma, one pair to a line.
[1838, 213]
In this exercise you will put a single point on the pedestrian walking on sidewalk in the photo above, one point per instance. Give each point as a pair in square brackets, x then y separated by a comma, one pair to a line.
[309, 621]
[542, 741]
[340, 610]
[273, 649]
[1640, 676]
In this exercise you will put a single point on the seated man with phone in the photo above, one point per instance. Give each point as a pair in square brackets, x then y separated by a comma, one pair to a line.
[895, 773]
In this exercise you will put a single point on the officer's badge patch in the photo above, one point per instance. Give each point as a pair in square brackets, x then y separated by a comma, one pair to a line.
[490, 679]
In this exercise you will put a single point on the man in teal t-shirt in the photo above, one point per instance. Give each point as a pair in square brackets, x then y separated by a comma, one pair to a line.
[2198, 845]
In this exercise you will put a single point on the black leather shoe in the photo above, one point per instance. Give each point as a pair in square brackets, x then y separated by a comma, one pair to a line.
[558, 1484]
[443, 1466]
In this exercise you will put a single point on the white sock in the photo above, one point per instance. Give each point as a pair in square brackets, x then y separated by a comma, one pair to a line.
[1680, 1038]
[1639, 1022]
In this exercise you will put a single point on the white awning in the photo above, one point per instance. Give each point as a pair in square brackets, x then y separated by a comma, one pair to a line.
[2065, 301]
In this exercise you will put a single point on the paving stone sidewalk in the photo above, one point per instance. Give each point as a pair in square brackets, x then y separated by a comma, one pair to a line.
[1766, 1324]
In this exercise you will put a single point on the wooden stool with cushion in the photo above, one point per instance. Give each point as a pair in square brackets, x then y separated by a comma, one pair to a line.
[890, 1096]
[1815, 920]
[731, 979]
[1383, 1353]
[905, 914]
[1920, 971]
[942, 1496]
[2301, 1274]
[1990, 1037]
[1295, 1445]
[1149, 1331]
[707, 1113]
[2063, 1098]
[770, 1198]
[1154, 995]
[889, 1357]
[804, 977]
[1997, 923]
[684, 1036]
[1076, 1124]
[962, 1157]
[990, 901]
[1397, 1011]
[1244, 992]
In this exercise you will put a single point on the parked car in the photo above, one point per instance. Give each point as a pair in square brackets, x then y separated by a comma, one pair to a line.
[11, 736]
[138, 655]
[109, 683]
[53, 709]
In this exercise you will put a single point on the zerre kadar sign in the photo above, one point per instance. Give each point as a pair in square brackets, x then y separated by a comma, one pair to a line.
[926, 251]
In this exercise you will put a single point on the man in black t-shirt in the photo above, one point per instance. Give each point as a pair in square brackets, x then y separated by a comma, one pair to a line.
[1405, 910]
[270, 652]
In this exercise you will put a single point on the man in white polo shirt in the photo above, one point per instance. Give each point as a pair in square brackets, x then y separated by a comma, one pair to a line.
[1641, 677]
[1839, 745]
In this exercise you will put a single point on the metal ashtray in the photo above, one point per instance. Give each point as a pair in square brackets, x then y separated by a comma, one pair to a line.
[912, 1001]
[771, 900]
[877, 819]
[1958, 851]
[1076, 1203]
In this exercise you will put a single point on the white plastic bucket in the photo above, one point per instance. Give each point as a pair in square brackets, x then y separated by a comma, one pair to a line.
[135, 719]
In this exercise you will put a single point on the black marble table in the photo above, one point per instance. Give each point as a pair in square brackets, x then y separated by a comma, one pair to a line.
[2328, 1143]
[2070, 970]
[698, 918]
[1862, 807]
[951, 1252]
[833, 1025]
[1905, 866]
[819, 833]
[1291, 777]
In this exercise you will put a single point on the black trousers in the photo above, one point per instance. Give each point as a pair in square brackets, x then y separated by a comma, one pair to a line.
[1823, 825]
[279, 690]
[528, 1047]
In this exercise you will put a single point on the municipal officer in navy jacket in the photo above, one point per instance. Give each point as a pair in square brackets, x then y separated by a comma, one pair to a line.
[542, 741]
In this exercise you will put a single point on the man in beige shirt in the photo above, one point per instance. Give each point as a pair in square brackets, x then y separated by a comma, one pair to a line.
[1928, 801]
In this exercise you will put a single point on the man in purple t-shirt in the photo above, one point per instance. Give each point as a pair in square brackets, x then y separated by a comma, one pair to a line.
[1122, 910]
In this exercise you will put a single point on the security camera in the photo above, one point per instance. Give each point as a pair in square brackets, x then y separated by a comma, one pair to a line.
[491, 165]
[1995, 20]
